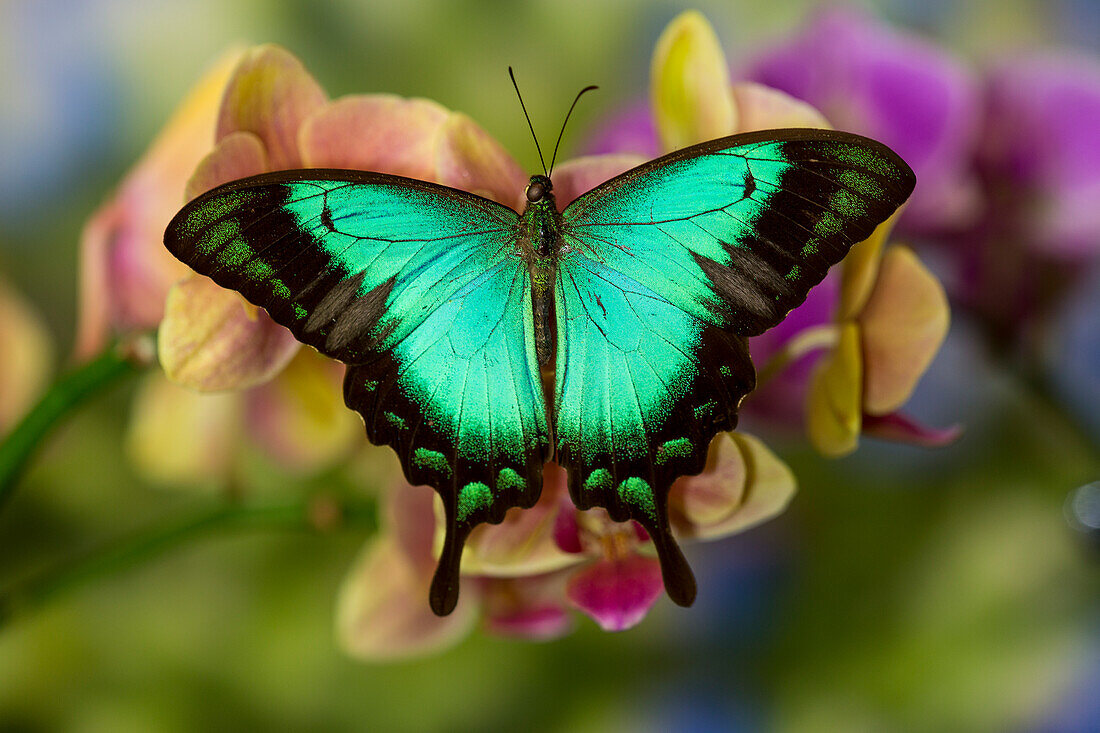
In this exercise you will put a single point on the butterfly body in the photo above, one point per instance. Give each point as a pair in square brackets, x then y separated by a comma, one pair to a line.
[638, 297]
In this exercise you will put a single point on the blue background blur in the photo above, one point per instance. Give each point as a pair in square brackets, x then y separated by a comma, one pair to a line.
[904, 590]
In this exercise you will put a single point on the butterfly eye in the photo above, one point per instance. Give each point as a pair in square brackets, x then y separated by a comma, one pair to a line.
[535, 192]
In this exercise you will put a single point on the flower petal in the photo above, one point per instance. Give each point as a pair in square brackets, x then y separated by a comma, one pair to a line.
[580, 175]
[382, 611]
[375, 132]
[209, 340]
[861, 268]
[300, 418]
[1040, 139]
[630, 130]
[904, 429]
[762, 108]
[270, 94]
[524, 543]
[237, 155]
[714, 494]
[834, 400]
[616, 593]
[903, 324]
[895, 87]
[747, 485]
[467, 157]
[690, 84]
[27, 356]
[125, 272]
[179, 437]
[530, 608]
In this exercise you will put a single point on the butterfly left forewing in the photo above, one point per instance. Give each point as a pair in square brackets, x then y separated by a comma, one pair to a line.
[415, 286]
[669, 268]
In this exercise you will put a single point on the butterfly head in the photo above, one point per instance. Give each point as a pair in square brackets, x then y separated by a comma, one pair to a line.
[539, 189]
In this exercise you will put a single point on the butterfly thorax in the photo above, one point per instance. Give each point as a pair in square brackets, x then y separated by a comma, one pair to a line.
[540, 242]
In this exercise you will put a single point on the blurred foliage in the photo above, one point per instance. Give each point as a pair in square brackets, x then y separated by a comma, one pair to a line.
[903, 590]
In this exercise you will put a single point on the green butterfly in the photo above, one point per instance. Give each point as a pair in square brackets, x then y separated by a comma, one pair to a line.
[640, 296]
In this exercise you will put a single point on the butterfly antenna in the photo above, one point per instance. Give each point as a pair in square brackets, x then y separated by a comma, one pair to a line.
[533, 135]
[554, 157]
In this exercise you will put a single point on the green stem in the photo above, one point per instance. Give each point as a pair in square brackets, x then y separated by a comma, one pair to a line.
[67, 394]
[145, 545]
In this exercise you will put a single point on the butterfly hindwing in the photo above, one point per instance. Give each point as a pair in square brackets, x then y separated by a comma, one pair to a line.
[671, 266]
[416, 288]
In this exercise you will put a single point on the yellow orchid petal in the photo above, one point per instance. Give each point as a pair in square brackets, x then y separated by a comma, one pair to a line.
[270, 93]
[210, 341]
[762, 108]
[834, 405]
[744, 484]
[300, 417]
[860, 268]
[179, 437]
[712, 496]
[125, 271]
[27, 354]
[903, 324]
[690, 84]
[382, 611]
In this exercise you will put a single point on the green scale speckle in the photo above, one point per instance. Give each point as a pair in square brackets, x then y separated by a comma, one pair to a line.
[794, 273]
[215, 208]
[471, 497]
[509, 479]
[598, 480]
[431, 460]
[637, 493]
[396, 420]
[222, 234]
[676, 448]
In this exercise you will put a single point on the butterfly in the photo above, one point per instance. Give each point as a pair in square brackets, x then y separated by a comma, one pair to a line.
[639, 296]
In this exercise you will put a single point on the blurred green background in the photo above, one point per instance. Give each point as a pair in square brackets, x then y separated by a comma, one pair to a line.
[904, 589]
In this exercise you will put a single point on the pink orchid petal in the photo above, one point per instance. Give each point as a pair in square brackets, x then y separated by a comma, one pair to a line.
[714, 494]
[834, 398]
[531, 608]
[237, 155]
[580, 175]
[467, 157]
[270, 94]
[538, 624]
[567, 531]
[763, 108]
[27, 356]
[901, 428]
[903, 324]
[125, 272]
[382, 608]
[211, 339]
[690, 84]
[179, 437]
[524, 543]
[299, 418]
[617, 594]
[375, 132]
